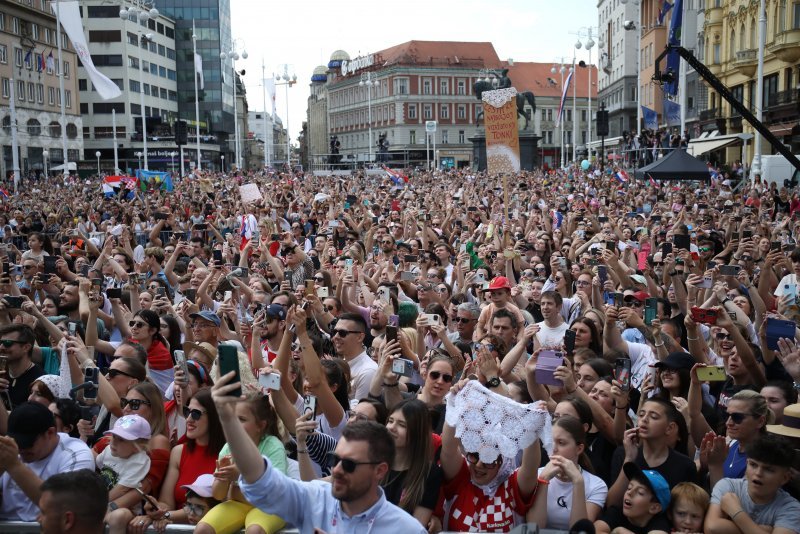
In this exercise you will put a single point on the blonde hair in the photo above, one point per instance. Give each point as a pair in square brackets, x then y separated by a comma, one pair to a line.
[758, 405]
[691, 492]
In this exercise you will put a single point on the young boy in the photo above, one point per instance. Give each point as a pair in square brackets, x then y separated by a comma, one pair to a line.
[687, 508]
[756, 503]
[643, 506]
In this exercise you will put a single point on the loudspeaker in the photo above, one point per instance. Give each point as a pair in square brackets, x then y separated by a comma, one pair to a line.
[602, 123]
[181, 135]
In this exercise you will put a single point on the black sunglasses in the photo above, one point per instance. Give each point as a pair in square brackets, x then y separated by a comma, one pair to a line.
[462, 320]
[737, 417]
[135, 404]
[348, 465]
[192, 413]
[436, 375]
[344, 333]
[114, 373]
[7, 343]
[137, 324]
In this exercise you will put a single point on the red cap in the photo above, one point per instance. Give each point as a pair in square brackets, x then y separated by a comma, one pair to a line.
[499, 282]
[641, 295]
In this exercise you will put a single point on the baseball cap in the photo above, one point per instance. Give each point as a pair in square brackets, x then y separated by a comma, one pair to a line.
[131, 427]
[677, 360]
[638, 278]
[28, 421]
[276, 311]
[201, 486]
[641, 296]
[499, 282]
[652, 479]
[208, 316]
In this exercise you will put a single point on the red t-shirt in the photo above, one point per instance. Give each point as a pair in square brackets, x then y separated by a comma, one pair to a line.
[472, 511]
[192, 465]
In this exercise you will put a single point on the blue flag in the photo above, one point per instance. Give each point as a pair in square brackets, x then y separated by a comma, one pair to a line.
[672, 112]
[662, 13]
[650, 118]
[674, 39]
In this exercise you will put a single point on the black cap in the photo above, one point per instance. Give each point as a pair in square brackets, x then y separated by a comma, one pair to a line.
[28, 421]
[677, 360]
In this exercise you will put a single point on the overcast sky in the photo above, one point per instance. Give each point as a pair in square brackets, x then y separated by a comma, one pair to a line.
[304, 33]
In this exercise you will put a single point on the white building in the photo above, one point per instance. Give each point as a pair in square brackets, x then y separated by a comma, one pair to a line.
[137, 57]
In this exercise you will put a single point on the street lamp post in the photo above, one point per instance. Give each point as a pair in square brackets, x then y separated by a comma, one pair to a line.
[139, 10]
[589, 44]
[368, 82]
[631, 25]
[288, 81]
[172, 157]
[45, 156]
[97, 155]
[139, 155]
[222, 156]
[562, 69]
[233, 55]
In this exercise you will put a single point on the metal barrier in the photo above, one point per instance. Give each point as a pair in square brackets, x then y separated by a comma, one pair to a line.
[21, 527]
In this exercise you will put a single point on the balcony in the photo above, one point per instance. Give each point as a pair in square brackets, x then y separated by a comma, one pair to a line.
[746, 62]
[715, 68]
[714, 15]
[709, 114]
[784, 46]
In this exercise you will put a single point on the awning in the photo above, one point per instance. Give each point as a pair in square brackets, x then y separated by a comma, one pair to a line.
[698, 147]
[782, 129]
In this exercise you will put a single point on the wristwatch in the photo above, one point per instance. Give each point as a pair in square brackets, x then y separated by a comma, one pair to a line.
[112, 506]
[492, 382]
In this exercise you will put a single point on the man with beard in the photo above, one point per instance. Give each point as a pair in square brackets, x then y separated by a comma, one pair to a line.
[348, 340]
[69, 304]
[272, 335]
[352, 502]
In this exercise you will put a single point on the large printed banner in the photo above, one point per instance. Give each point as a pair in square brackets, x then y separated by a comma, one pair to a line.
[502, 131]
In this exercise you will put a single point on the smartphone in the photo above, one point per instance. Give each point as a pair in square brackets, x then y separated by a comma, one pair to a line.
[114, 293]
[160, 292]
[655, 218]
[569, 341]
[775, 245]
[602, 219]
[229, 361]
[410, 258]
[432, 318]
[391, 333]
[747, 234]
[729, 270]
[711, 264]
[602, 274]
[619, 299]
[703, 316]
[546, 365]
[201, 226]
[348, 267]
[180, 361]
[309, 287]
[90, 374]
[480, 278]
[666, 248]
[190, 294]
[384, 293]
[712, 373]
[85, 270]
[275, 237]
[228, 295]
[681, 241]
[97, 282]
[622, 372]
[72, 328]
[402, 367]
[707, 283]
[50, 264]
[407, 276]
[4, 367]
[322, 292]
[650, 310]
[217, 256]
[149, 498]
[779, 328]
[310, 405]
[160, 216]
[270, 380]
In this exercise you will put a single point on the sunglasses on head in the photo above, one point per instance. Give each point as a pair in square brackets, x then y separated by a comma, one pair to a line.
[135, 404]
[436, 375]
[473, 458]
[192, 413]
[348, 466]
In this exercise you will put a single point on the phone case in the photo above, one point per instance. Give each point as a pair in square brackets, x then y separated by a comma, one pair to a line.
[778, 328]
[711, 374]
[547, 363]
[229, 361]
[270, 381]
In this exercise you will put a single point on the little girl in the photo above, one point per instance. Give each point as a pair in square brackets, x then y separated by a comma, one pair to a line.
[125, 463]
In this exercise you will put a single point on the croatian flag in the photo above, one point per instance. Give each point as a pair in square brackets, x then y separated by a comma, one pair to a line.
[397, 177]
[558, 218]
[4, 194]
[653, 182]
[622, 176]
[563, 99]
[248, 227]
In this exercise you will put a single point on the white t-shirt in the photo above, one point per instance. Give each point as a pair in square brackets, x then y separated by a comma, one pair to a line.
[128, 472]
[559, 498]
[641, 357]
[362, 369]
[551, 337]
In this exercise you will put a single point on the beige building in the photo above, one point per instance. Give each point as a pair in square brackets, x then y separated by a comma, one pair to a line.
[28, 50]
[317, 141]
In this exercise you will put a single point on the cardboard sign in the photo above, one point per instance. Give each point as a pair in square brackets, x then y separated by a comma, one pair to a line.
[502, 131]
[250, 193]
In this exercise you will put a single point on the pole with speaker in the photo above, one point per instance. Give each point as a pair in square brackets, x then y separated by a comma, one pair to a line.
[602, 131]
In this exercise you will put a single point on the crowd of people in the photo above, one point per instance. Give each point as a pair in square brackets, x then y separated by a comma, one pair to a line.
[358, 354]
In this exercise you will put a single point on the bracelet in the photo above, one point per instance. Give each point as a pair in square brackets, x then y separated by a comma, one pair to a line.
[656, 345]
[391, 385]
[570, 392]
[621, 407]
[304, 451]
[737, 513]
[692, 338]
[543, 481]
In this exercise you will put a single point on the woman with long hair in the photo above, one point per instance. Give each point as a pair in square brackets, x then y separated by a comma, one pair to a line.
[573, 492]
[170, 330]
[413, 480]
[587, 336]
[261, 424]
[145, 329]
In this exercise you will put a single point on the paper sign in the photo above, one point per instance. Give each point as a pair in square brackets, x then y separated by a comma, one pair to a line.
[249, 193]
[502, 132]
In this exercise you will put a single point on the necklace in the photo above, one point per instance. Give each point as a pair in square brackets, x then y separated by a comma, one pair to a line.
[14, 378]
[735, 454]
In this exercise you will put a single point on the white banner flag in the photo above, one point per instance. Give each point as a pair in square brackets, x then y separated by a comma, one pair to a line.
[198, 69]
[270, 85]
[70, 17]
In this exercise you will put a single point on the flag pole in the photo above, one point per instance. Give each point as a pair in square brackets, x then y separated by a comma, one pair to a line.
[196, 98]
[14, 140]
[264, 86]
[114, 133]
[60, 73]
[682, 79]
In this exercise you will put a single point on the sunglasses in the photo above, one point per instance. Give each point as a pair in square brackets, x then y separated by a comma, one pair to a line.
[348, 465]
[135, 404]
[319, 279]
[344, 333]
[194, 509]
[8, 343]
[436, 375]
[114, 373]
[192, 413]
[473, 458]
[424, 288]
[462, 320]
[737, 417]
[722, 336]
[633, 302]
[137, 324]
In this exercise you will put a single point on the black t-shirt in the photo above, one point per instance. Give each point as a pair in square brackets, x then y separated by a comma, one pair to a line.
[601, 453]
[430, 497]
[614, 518]
[675, 469]
[20, 387]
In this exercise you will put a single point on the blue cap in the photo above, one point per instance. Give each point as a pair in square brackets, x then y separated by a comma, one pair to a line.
[208, 316]
[652, 479]
[276, 311]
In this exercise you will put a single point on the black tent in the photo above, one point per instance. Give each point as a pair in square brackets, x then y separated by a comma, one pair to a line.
[677, 165]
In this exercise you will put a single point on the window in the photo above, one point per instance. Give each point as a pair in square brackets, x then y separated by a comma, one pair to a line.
[31, 92]
[133, 62]
[136, 109]
[569, 115]
[162, 71]
[478, 110]
[412, 111]
[796, 15]
[134, 86]
[716, 54]
[66, 69]
[34, 127]
[6, 88]
[18, 57]
[107, 107]
[162, 50]
[153, 69]
[146, 88]
[68, 98]
[72, 130]
[462, 138]
[583, 115]
[412, 137]
[172, 75]
[105, 36]
[21, 91]
[3, 54]
[15, 25]
[445, 137]
[427, 111]
[401, 86]
[462, 111]
[169, 32]
[132, 39]
[51, 96]
[444, 87]
[162, 93]
[2, 22]
[170, 53]
[548, 114]
[461, 88]
[445, 111]
[39, 93]
[47, 36]
[103, 12]
[104, 60]
[426, 86]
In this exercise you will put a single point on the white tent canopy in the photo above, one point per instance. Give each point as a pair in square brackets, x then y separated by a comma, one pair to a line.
[707, 143]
